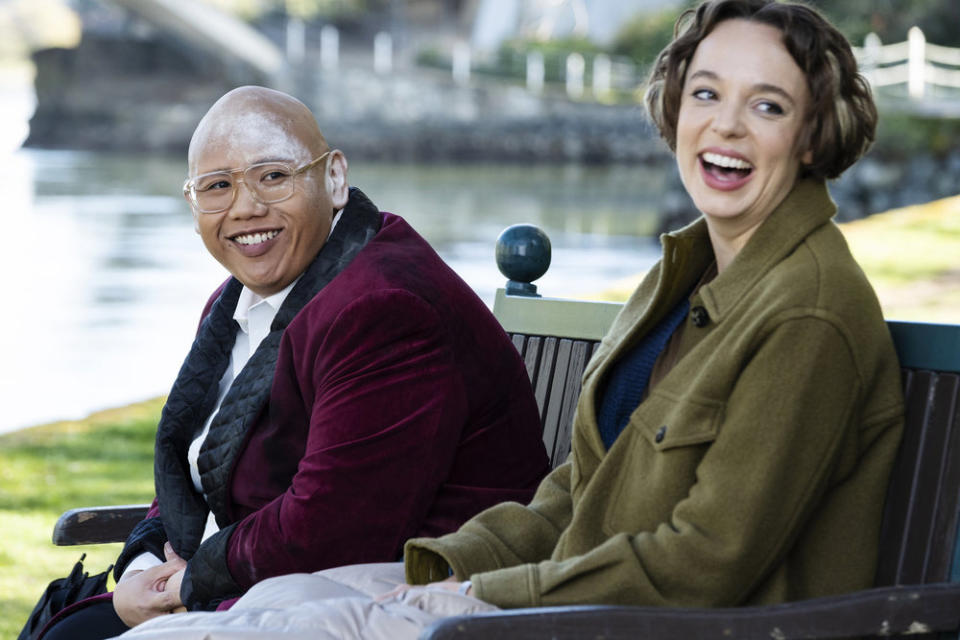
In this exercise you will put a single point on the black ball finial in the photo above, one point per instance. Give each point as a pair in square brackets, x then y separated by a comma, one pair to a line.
[523, 255]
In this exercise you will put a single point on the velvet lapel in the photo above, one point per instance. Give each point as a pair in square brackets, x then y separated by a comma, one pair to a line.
[194, 393]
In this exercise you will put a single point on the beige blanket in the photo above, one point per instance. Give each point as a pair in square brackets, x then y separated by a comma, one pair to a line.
[336, 604]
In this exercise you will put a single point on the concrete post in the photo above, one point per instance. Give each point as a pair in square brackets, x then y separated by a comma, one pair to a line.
[916, 63]
[535, 72]
[461, 63]
[329, 48]
[871, 57]
[575, 68]
[602, 73]
[383, 52]
[296, 40]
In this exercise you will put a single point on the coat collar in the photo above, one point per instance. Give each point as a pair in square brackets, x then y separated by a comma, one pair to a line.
[806, 208]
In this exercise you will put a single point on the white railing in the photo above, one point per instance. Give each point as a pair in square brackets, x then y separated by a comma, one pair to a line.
[915, 62]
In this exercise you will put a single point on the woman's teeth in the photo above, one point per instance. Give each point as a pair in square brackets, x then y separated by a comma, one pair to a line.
[726, 162]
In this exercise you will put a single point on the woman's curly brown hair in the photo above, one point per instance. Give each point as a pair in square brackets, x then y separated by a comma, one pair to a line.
[841, 119]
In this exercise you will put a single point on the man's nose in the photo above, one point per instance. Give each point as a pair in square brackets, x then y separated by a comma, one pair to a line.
[245, 204]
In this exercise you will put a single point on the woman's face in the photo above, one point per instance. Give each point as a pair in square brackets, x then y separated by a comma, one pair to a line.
[741, 113]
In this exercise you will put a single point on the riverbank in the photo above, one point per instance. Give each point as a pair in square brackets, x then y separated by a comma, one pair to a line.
[911, 256]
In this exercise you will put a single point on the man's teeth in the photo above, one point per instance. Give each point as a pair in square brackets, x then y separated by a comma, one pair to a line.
[256, 238]
[726, 161]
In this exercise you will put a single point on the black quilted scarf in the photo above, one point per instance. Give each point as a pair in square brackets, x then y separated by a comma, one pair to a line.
[194, 394]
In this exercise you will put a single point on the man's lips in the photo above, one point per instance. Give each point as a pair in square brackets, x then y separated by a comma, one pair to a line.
[255, 237]
[255, 243]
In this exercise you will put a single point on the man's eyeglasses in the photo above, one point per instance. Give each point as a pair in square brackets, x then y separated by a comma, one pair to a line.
[268, 183]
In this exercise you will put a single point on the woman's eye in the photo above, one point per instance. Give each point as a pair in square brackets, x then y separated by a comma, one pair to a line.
[704, 94]
[770, 107]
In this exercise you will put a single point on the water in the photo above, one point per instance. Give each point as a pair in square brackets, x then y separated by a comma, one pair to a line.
[104, 277]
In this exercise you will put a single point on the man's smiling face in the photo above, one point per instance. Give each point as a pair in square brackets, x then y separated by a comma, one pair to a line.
[264, 246]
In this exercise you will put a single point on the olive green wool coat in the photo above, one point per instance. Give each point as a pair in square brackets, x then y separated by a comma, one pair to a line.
[755, 472]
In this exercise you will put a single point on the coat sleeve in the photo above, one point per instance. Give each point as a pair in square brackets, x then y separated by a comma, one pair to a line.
[788, 415]
[502, 536]
[387, 406]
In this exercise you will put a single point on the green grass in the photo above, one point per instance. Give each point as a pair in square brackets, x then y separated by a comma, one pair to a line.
[105, 459]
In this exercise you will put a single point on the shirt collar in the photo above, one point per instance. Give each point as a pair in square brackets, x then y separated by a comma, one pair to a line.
[248, 300]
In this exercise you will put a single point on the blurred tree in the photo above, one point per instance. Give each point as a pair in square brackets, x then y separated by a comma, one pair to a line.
[647, 33]
[891, 19]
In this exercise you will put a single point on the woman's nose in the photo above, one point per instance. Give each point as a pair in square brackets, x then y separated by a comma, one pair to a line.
[728, 121]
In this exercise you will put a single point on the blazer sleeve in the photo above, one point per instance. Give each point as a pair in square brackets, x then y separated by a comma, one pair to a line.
[738, 520]
[505, 535]
[388, 405]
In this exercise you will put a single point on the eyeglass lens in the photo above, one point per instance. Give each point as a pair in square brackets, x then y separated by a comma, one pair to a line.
[269, 182]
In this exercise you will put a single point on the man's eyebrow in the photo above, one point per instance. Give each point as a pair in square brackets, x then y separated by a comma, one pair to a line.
[257, 161]
[762, 87]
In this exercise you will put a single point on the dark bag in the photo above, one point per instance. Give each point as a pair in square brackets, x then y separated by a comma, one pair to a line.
[60, 594]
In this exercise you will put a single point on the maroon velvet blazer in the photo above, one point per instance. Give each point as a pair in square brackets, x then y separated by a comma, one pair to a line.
[399, 408]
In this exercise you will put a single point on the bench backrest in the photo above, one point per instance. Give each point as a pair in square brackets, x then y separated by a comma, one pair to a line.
[919, 535]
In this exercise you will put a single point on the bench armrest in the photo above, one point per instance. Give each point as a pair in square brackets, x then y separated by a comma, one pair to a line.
[887, 611]
[97, 525]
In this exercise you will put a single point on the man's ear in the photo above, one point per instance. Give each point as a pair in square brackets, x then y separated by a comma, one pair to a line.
[335, 179]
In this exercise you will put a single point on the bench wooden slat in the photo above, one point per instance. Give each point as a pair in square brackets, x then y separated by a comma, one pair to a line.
[897, 508]
[518, 341]
[551, 412]
[924, 493]
[543, 375]
[943, 538]
[97, 525]
[580, 352]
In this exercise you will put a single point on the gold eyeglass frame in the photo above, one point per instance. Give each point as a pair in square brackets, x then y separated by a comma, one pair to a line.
[190, 184]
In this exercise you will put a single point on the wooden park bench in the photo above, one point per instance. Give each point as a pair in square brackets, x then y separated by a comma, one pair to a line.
[917, 588]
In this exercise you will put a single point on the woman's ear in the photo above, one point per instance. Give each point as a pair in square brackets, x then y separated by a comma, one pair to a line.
[807, 157]
[335, 179]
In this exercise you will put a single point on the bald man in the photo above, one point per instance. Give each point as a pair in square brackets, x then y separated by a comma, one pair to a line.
[346, 389]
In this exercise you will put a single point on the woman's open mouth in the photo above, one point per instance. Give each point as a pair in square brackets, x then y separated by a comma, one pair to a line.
[724, 172]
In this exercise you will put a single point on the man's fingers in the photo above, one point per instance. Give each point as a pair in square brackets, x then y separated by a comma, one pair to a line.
[172, 556]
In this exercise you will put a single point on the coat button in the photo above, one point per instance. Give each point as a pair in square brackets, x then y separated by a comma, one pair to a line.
[700, 317]
[661, 434]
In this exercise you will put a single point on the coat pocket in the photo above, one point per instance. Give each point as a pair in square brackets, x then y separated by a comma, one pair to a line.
[653, 464]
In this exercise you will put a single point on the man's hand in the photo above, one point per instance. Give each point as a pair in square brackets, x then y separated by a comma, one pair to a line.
[173, 583]
[142, 595]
